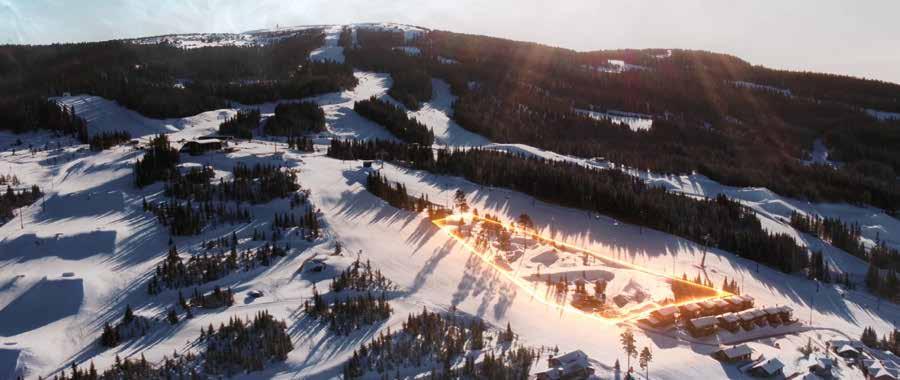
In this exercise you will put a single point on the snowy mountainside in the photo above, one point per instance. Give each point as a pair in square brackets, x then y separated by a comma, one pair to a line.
[75, 259]
[267, 36]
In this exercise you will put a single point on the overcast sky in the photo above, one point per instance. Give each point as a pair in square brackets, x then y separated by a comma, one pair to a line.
[859, 38]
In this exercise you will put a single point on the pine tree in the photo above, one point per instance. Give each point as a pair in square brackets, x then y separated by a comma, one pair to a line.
[628, 345]
[172, 317]
[645, 358]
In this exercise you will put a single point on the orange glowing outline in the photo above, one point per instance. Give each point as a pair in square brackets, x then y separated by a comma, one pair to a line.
[532, 290]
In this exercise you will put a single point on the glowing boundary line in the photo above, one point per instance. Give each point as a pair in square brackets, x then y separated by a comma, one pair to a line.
[528, 287]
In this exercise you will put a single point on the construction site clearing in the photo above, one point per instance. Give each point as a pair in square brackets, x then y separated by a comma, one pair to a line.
[600, 286]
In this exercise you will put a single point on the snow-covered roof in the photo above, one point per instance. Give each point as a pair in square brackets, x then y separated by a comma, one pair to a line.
[737, 351]
[846, 348]
[703, 322]
[730, 317]
[720, 303]
[667, 311]
[734, 300]
[882, 374]
[770, 366]
[778, 309]
[875, 366]
[576, 356]
[824, 363]
[691, 307]
[748, 315]
[708, 304]
[552, 373]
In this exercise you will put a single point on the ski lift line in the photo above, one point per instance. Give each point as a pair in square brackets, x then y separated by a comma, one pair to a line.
[527, 287]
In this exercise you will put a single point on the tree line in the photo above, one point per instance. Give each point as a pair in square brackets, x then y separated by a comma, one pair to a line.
[518, 92]
[350, 313]
[164, 81]
[106, 140]
[717, 222]
[241, 125]
[889, 342]
[21, 114]
[435, 342]
[394, 119]
[239, 346]
[158, 162]
[175, 273]
[884, 261]
[296, 119]
[376, 51]
[13, 199]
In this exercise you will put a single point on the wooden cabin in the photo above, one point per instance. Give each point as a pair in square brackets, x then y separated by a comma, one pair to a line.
[767, 368]
[701, 327]
[846, 351]
[734, 354]
[730, 322]
[739, 303]
[773, 316]
[753, 318]
[573, 365]
[708, 307]
[747, 319]
[722, 306]
[198, 147]
[785, 313]
[666, 315]
[688, 311]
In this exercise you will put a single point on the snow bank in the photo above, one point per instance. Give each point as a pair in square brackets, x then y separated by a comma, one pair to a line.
[756, 86]
[67, 247]
[435, 114]
[409, 50]
[635, 121]
[44, 303]
[446, 61]
[330, 51]
[883, 115]
[819, 155]
[103, 115]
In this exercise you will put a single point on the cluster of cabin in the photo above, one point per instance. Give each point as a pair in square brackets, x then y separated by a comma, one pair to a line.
[731, 313]
[874, 364]
[573, 365]
[759, 367]
[204, 144]
[735, 321]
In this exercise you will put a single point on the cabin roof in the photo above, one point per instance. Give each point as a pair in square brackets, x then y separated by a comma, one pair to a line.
[737, 351]
[704, 322]
[667, 311]
[770, 366]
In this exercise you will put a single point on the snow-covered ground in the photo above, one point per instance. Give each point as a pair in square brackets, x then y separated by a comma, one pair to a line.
[436, 113]
[331, 51]
[819, 155]
[616, 66]
[757, 86]
[409, 50]
[883, 115]
[635, 121]
[773, 210]
[72, 261]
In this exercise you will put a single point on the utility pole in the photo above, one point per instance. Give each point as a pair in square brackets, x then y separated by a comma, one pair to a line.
[810, 309]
